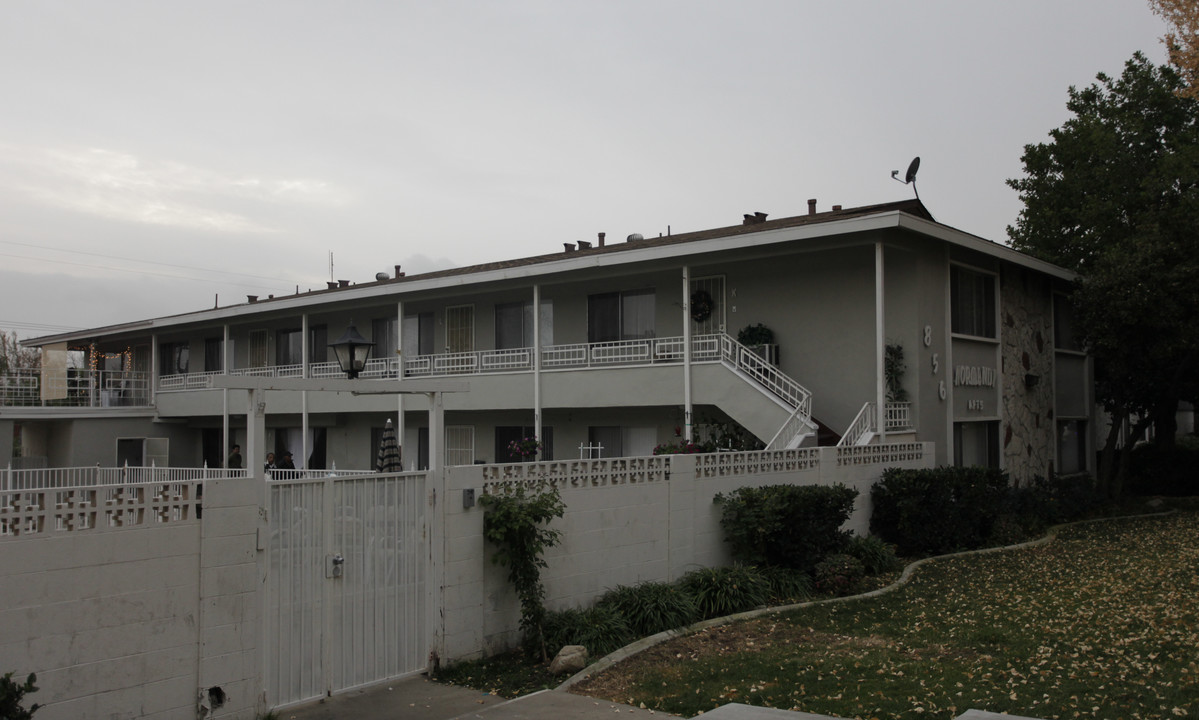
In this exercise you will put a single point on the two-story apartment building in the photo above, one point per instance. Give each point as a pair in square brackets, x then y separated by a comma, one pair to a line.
[610, 347]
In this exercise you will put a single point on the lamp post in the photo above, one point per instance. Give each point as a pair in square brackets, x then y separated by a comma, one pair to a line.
[352, 351]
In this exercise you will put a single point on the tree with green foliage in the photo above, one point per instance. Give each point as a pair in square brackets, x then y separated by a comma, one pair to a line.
[1114, 196]
[515, 525]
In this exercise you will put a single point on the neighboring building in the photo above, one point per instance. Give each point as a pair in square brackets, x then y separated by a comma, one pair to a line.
[990, 374]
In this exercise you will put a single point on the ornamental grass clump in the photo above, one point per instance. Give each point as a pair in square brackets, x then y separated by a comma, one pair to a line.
[600, 629]
[723, 591]
[651, 607]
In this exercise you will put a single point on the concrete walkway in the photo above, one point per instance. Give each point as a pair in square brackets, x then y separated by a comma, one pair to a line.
[416, 698]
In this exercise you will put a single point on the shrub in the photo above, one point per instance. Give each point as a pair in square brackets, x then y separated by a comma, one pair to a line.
[717, 592]
[651, 607]
[928, 512]
[1155, 470]
[787, 586]
[514, 524]
[839, 574]
[877, 557]
[600, 629]
[786, 525]
[11, 694]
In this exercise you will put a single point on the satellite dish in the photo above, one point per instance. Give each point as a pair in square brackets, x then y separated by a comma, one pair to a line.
[910, 177]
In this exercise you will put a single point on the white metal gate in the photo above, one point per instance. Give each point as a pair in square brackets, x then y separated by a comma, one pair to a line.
[345, 597]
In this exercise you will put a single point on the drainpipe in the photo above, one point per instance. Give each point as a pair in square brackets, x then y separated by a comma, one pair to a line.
[687, 353]
[880, 344]
[536, 365]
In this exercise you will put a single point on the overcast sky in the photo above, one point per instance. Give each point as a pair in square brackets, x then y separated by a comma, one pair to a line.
[156, 157]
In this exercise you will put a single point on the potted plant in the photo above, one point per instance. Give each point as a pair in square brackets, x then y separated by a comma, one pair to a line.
[760, 339]
[524, 450]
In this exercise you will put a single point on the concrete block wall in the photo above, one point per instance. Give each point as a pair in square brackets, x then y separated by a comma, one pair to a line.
[656, 528]
[231, 576]
[108, 619]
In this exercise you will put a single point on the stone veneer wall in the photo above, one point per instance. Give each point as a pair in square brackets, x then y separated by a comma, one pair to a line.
[1027, 432]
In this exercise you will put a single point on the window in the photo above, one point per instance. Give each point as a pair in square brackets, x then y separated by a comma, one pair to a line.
[620, 316]
[972, 301]
[505, 434]
[1071, 446]
[976, 443]
[258, 348]
[459, 445]
[288, 347]
[383, 334]
[1064, 334]
[318, 344]
[418, 334]
[460, 329]
[174, 358]
[214, 354]
[513, 325]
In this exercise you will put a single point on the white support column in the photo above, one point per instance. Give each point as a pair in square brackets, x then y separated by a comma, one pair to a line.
[537, 365]
[880, 344]
[255, 432]
[225, 428]
[400, 375]
[436, 498]
[687, 408]
[304, 454]
[304, 349]
[226, 353]
[306, 372]
[154, 364]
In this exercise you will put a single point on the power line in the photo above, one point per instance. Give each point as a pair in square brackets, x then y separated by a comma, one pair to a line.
[138, 272]
[136, 260]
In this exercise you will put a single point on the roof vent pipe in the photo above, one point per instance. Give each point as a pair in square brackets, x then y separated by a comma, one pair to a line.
[343, 283]
[568, 247]
[584, 244]
[332, 285]
[812, 206]
[252, 298]
[381, 276]
[398, 273]
[601, 239]
[836, 208]
[635, 237]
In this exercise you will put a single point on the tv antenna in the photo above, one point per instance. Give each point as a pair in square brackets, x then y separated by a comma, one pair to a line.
[910, 177]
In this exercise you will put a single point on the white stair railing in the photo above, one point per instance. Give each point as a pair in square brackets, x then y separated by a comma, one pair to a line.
[896, 416]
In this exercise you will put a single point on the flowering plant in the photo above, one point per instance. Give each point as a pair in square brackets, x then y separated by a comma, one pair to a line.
[524, 449]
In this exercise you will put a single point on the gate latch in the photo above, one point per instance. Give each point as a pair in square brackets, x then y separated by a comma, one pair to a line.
[335, 566]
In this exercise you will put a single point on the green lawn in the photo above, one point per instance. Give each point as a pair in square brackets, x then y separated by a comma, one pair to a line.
[1101, 622]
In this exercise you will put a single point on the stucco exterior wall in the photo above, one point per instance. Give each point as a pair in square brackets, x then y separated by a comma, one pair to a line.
[1028, 428]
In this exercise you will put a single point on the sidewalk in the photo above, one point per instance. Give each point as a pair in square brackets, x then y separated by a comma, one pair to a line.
[416, 698]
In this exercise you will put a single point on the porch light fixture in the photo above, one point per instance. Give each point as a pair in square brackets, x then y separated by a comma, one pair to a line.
[352, 351]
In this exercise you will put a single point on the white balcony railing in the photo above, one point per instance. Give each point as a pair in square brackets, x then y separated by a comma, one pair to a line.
[76, 388]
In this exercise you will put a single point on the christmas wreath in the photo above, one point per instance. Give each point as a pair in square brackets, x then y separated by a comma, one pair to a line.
[701, 305]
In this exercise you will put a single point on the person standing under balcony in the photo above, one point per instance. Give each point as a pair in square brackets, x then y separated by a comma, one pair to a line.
[285, 462]
[270, 462]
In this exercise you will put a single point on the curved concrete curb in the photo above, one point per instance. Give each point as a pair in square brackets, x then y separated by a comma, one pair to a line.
[645, 643]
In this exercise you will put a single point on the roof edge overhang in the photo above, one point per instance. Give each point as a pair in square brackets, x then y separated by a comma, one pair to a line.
[574, 262]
